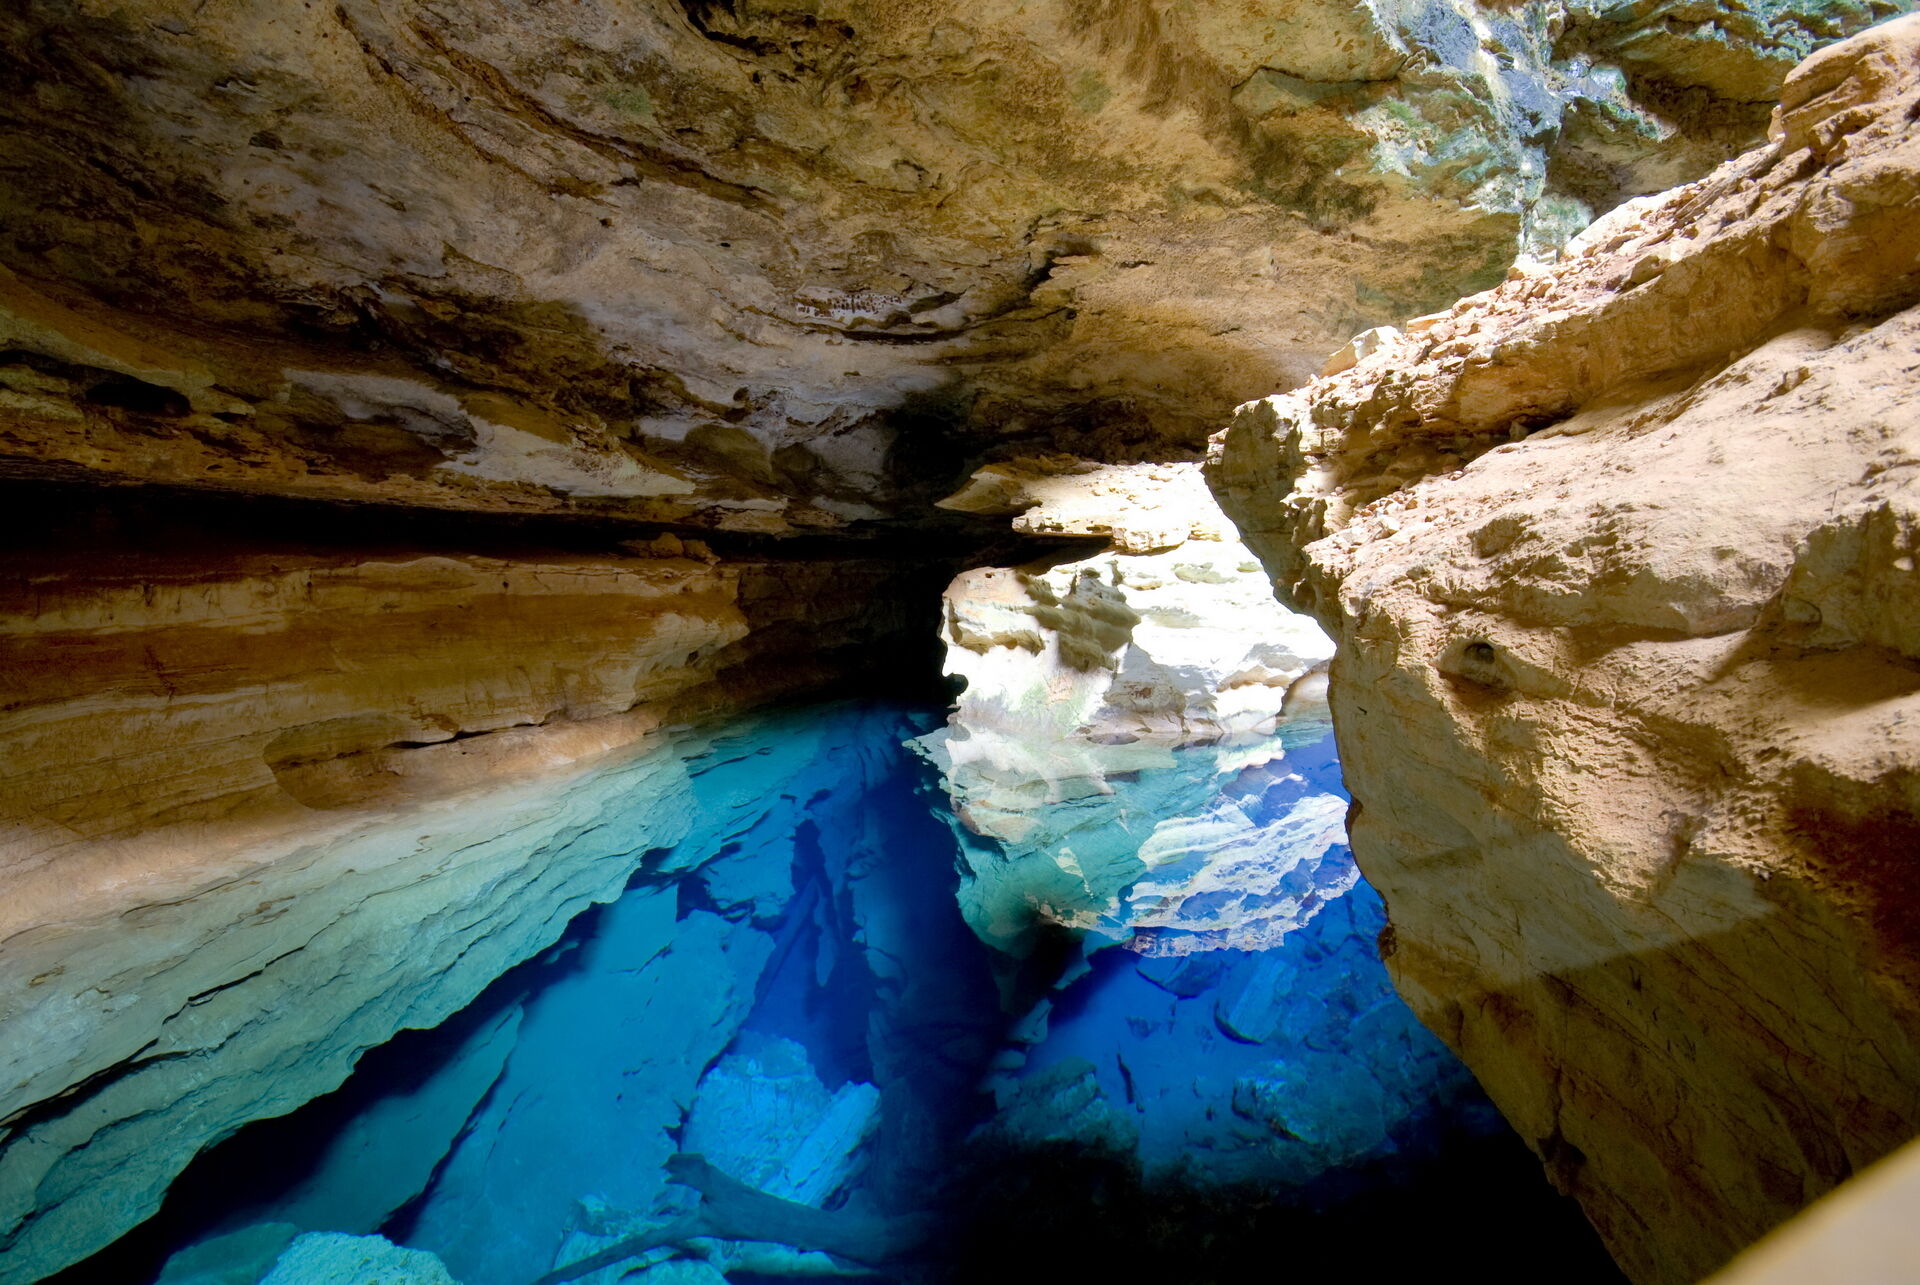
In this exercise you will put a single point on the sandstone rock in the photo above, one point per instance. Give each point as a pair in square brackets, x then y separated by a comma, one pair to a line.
[1618, 557]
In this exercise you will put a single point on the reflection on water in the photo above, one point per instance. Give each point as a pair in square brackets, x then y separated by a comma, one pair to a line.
[784, 1052]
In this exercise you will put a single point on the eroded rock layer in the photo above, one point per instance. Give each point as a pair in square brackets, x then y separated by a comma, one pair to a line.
[708, 262]
[1620, 556]
[264, 809]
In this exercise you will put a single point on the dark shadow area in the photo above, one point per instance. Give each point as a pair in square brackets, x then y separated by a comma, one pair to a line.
[43, 516]
[1479, 1212]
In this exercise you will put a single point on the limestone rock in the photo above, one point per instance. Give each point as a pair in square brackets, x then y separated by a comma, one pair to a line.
[1619, 556]
[342, 788]
[385, 1156]
[329, 1258]
[763, 1117]
[1165, 638]
[1064, 1103]
[664, 996]
[711, 263]
[1080, 674]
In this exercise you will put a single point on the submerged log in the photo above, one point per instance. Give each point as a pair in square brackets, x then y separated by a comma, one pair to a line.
[731, 1210]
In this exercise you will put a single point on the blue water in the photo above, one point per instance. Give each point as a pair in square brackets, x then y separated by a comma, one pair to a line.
[793, 994]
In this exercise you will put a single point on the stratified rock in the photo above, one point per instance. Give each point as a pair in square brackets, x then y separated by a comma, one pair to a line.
[384, 1156]
[344, 790]
[618, 1063]
[709, 262]
[1620, 557]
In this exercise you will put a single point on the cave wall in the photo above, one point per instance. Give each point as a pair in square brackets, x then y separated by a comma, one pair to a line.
[1620, 559]
[767, 274]
[1107, 693]
[267, 806]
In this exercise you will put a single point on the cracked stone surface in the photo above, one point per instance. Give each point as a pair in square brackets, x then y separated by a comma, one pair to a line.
[1620, 559]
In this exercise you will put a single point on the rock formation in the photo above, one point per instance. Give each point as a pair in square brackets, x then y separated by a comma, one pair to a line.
[706, 261]
[357, 786]
[410, 414]
[326, 1258]
[778, 854]
[1081, 674]
[1619, 555]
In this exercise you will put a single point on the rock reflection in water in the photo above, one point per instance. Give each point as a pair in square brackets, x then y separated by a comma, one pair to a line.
[786, 1029]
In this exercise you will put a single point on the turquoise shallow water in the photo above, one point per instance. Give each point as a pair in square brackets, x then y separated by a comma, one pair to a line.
[792, 995]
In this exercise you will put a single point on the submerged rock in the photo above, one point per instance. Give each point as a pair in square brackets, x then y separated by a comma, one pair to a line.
[239, 1257]
[1065, 1103]
[761, 1115]
[344, 788]
[387, 1154]
[327, 1258]
[1619, 555]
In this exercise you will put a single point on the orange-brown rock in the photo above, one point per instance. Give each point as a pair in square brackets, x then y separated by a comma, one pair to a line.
[732, 264]
[1620, 559]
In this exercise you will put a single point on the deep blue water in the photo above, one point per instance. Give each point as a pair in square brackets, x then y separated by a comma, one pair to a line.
[793, 994]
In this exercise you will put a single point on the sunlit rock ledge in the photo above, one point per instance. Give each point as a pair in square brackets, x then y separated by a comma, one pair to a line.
[709, 263]
[1621, 558]
[1086, 677]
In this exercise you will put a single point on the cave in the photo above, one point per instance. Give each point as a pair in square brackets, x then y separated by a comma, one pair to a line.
[728, 642]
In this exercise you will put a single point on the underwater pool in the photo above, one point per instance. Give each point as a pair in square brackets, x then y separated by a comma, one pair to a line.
[783, 1052]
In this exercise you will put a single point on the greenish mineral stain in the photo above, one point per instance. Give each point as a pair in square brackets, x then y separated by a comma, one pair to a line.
[1090, 93]
[632, 100]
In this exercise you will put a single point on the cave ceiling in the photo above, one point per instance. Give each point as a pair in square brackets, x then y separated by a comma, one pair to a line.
[778, 267]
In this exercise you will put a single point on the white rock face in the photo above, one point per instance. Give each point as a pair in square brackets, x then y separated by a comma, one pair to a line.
[1169, 636]
[1228, 879]
[1083, 673]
